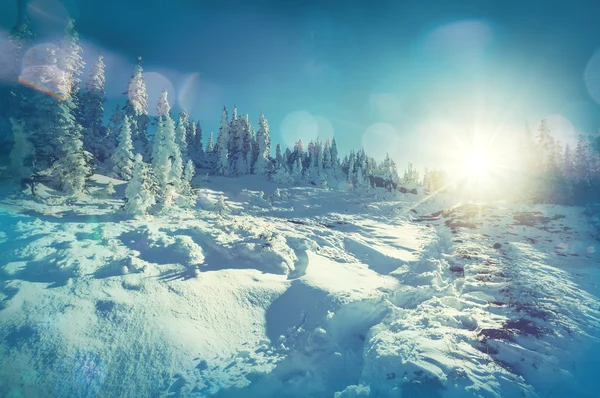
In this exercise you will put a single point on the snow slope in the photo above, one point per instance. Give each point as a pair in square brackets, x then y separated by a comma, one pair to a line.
[318, 293]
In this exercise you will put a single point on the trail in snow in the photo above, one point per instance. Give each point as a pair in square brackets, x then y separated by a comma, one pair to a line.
[323, 293]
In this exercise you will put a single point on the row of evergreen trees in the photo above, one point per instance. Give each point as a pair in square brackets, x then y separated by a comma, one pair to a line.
[60, 135]
[557, 174]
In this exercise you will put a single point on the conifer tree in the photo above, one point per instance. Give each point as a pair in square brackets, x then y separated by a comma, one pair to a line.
[138, 194]
[72, 170]
[70, 61]
[137, 109]
[221, 149]
[263, 140]
[180, 137]
[188, 175]
[92, 113]
[22, 152]
[166, 158]
[123, 156]
[278, 157]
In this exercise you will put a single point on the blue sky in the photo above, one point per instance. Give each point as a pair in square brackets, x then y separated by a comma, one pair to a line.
[398, 76]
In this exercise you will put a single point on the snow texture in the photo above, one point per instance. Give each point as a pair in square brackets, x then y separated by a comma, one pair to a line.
[299, 292]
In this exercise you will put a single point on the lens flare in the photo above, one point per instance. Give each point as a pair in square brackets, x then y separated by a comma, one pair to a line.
[325, 128]
[462, 43]
[380, 139]
[188, 94]
[155, 84]
[562, 129]
[40, 72]
[299, 125]
[592, 76]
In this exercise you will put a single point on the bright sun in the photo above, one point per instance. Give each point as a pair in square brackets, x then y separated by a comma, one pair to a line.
[477, 163]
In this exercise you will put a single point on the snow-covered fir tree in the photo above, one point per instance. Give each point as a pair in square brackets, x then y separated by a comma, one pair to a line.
[180, 136]
[167, 163]
[210, 146]
[233, 141]
[109, 190]
[221, 149]
[278, 157]
[71, 171]
[161, 153]
[282, 175]
[137, 109]
[196, 149]
[188, 175]
[244, 161]
[22, 153]
[263, 141]
[297, 170]
[411, 175]
[176, 174]
[113, 130]
[327, 168]
[163, 108]
[70, 60]
[138, 194]
[92, 113]
[335, 161]
[48, 116]
[123, 157]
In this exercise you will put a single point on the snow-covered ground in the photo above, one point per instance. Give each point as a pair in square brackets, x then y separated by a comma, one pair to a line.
[316, 293]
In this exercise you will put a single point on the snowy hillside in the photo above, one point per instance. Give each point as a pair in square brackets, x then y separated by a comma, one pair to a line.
[306, 293]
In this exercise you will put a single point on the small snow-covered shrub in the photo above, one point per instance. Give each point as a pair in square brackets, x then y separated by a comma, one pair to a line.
[109, 190]
[353, 391]
[191, 251]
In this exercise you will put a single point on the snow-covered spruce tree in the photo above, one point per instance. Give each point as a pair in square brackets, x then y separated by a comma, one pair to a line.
[233, 140]
[137, 109]
[48, 114]
[20, 37]
[20, 103]
[109, 190]
[361, 182]
[335, 161]
[92, 113]
[56, 134]
[327, 158]
[239, 144]
[180, 136]
[282, 175]
[411, 175]
[188, 175]
[196, 147]
[21, 153]
[161, 154]
[427, 183]
[70, 60]
[244, 145]
[254, 151]
[176, 174]
[221, 149]
[167, 164]
[138, 194]
[163, 108]
[297, 171]
[123, 157]
[72, 170]
[350, 172]
[278, 157]
[113, 130]
[263, 142]
[209, 153]
[297, 153]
